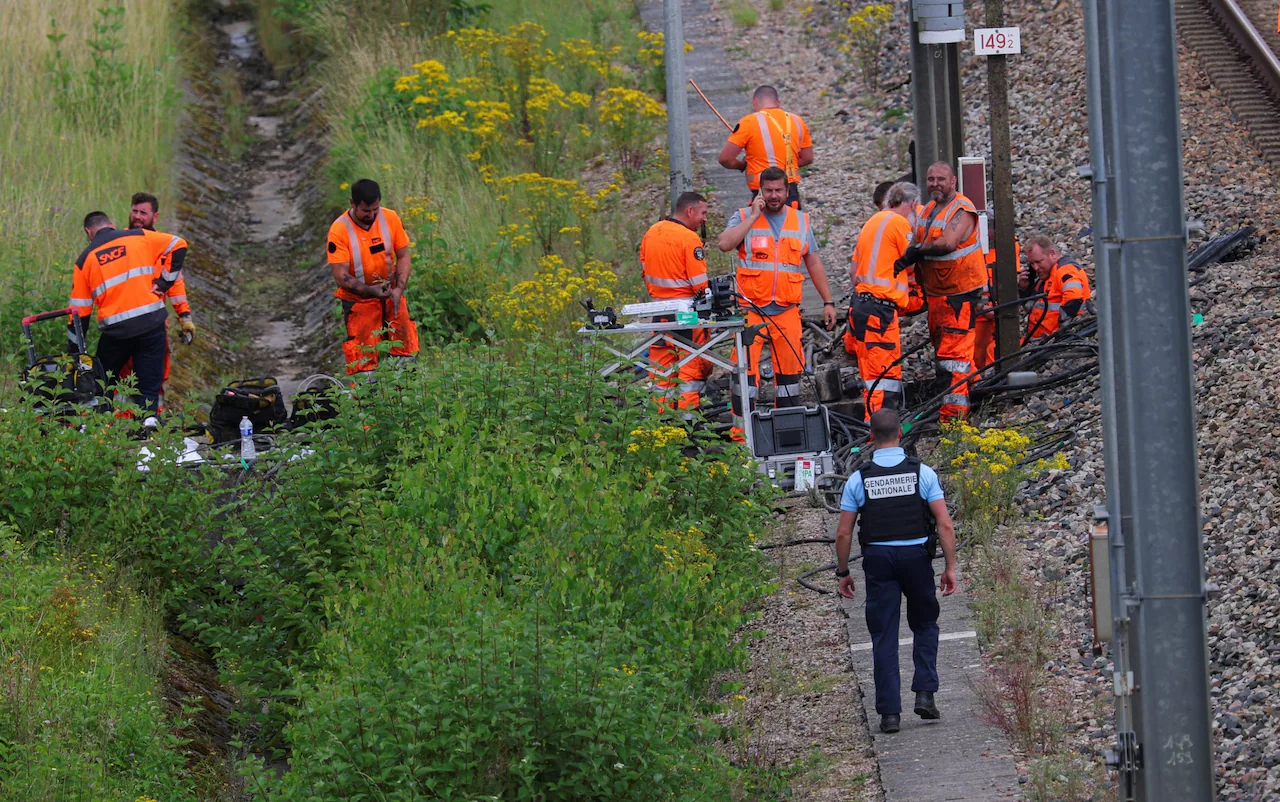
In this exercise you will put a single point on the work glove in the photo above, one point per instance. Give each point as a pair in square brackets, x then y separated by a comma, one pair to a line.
[911, 255]
[188, 329]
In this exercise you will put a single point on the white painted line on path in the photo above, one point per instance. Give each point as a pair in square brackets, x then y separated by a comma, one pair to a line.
[866, 647]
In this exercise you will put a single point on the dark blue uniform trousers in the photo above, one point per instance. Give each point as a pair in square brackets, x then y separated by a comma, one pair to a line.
[893, 572]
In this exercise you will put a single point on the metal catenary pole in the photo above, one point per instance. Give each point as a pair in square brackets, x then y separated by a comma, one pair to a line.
[679, 157]
[1008, 334]
[938, 118]
[1122, 756]
[1148, 404]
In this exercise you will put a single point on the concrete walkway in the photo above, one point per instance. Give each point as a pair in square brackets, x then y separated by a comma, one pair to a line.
[711, 67]
[959, 757]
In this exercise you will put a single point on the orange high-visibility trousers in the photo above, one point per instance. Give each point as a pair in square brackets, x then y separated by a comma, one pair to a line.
[691, 376]
[951, 322]
[365, 321]
[787, 353]
[878, 347]
[984, 341]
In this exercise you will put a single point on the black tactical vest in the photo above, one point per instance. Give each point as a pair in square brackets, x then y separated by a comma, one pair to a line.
[893, 509]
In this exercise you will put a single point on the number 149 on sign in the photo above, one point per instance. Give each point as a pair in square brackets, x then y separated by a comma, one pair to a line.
[997, 41]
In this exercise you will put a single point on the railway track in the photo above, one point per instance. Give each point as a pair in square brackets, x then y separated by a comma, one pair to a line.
[1233, 41]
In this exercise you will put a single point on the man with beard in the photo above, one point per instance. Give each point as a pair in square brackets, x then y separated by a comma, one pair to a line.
[369, 256]
[953, 273]
[775, 248]
[144, 210]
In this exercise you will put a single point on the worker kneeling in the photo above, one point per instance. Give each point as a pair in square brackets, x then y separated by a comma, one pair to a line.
[775, 246]
[1064, 284]
[880, 291]
[674, 266]
[371, 286]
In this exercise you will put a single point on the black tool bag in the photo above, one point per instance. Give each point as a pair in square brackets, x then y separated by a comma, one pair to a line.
[63, 380]
[259, 399]
[313, 404]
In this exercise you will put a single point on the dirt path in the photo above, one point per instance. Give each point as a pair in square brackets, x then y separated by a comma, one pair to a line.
[272, 214]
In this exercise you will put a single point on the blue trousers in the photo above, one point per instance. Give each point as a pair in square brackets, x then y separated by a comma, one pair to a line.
[893, 572]
[147, 352]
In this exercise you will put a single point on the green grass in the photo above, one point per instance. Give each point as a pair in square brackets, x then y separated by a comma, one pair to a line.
[87, 142]
[81, 709]
[743, 14]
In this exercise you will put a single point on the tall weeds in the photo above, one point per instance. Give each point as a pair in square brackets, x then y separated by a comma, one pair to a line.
[89, 116]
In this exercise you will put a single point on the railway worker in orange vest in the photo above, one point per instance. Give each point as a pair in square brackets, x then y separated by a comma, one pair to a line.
[118, 274]
[775, 248]
[953, 273]
[984, 329]
[915, 295]
[880, 292]
[1065, 283]
[674, 265]
[362, 244]
[769, 137]
[144, 210]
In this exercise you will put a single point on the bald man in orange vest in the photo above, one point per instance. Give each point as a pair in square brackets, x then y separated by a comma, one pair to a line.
[769, 137]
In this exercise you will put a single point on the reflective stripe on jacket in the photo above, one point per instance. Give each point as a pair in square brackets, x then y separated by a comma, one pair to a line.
[120, 273]
[882, 242]
[960, 271]
[672, 260]
[772, 270]
[1066, 283]
[771, 138]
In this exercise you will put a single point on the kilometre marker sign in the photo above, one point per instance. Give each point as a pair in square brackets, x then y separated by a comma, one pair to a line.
[997, 41]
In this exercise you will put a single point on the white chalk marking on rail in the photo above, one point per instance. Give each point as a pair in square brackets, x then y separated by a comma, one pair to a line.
[866, 647]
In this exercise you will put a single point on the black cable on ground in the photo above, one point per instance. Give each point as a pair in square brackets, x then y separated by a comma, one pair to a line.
[803, 578]
[800, 542]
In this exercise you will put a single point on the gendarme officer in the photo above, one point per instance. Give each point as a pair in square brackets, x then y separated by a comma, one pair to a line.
[903, 518]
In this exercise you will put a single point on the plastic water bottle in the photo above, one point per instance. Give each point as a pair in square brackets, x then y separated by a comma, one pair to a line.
[247, 452]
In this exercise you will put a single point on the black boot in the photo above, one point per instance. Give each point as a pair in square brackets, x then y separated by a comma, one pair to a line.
[890, 723]
[925, 707]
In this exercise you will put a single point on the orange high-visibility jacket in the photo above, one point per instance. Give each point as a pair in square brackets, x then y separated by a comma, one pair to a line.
[771, 138]
[366, 253]
[883, 241]
[957, 272]
[1066, 283]
[121, 273]
[177, 296]
[991, 269]
[672, 260]
[772, 270]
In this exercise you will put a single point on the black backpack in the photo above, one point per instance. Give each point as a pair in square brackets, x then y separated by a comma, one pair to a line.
[259, 399]
[313, 404]
[63, 380]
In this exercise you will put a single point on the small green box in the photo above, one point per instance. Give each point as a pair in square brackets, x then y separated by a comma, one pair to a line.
[689, 318]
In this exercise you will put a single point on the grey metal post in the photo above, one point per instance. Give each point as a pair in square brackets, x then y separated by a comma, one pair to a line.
[1148, 403]
[937, 116]
[1122, 756]
[679, 159]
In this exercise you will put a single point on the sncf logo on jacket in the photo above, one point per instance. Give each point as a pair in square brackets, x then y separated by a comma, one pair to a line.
[109, 256]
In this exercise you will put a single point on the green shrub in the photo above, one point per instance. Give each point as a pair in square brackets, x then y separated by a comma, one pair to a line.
[479, 500]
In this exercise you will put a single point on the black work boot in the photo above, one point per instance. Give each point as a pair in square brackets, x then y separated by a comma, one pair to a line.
[890, 723]
[925, 707]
